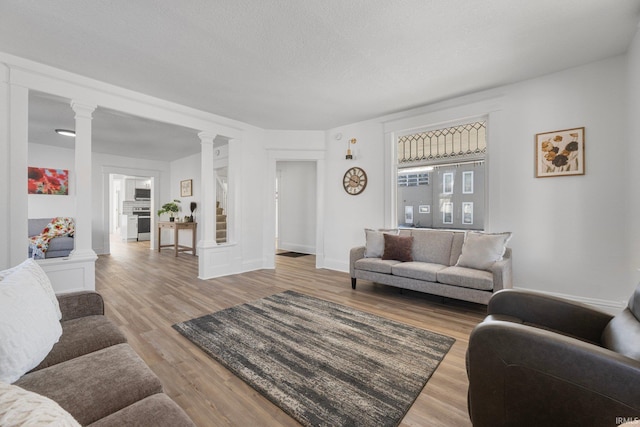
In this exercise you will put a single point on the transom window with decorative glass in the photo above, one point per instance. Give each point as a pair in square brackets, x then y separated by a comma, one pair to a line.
[441, 177]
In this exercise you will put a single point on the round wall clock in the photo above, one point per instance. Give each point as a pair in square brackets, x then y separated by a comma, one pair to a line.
[355, 181]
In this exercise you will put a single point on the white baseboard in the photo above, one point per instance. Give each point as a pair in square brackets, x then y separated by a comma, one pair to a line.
[337, 265]
[294, 247]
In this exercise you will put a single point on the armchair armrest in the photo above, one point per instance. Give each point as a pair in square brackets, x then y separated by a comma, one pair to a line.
[80, 304]
[354, 255]
[521, 375]
[549, 312]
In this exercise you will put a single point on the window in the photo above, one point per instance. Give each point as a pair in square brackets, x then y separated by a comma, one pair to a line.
[441, 177]
[413, 179]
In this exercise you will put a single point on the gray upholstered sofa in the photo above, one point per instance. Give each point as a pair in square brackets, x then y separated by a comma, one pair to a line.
[95, 375]
[467, 266]
[540, 360]
[58, 246]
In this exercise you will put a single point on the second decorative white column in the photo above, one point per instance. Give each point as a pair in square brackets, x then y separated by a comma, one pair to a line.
[207, 221]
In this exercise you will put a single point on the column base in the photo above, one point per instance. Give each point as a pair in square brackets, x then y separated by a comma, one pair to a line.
[71, 274]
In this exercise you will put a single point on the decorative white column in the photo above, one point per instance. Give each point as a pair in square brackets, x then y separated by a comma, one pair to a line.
[16, 175]
[207, 221]
[83, 218]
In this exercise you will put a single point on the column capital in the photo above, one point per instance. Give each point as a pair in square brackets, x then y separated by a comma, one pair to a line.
[207, 137]
[83, 109]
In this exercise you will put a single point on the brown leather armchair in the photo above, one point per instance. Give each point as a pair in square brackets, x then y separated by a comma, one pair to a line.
[538, 360]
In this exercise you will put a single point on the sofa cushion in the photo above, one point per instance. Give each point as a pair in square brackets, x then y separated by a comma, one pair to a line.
[155, 410]
[432, 246]
[62, 243]
[417, 270]
[466, 278]
[82, 336]
[19, 407]
[374, 246]
[376, 265]
[398, 248]
[97, 384]
[29, 325]
[482, 250]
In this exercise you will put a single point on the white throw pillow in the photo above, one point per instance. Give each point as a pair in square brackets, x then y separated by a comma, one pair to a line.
[374, 246]
[40, 276]
[20, 407]
[29, 325]
[482, 250]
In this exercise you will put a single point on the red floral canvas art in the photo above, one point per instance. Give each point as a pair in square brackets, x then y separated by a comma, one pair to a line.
[48, 181]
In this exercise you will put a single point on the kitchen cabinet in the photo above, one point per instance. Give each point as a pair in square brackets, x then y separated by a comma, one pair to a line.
[128, 227]
[129, 189]
[143, 183]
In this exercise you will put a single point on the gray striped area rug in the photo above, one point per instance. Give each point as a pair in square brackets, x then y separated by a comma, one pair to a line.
[323, 363]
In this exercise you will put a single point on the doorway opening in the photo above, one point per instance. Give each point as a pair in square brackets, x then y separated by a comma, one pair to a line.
[130, 207]
[295, 208]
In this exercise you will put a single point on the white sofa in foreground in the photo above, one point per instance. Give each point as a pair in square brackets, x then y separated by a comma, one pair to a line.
[468, 266]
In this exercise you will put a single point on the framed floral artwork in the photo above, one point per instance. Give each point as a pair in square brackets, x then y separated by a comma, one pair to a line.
[186, 188]
[560, 153]
[48, 181]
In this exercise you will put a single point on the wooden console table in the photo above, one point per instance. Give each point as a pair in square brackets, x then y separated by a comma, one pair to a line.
[176, 226]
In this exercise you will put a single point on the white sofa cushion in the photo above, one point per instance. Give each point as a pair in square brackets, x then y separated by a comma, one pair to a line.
[482, 250]
[29, 324]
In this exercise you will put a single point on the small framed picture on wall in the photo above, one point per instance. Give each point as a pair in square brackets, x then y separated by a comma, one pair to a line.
[560, 153]
[186, 188]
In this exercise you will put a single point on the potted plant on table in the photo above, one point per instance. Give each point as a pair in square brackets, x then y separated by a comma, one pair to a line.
[171, 208]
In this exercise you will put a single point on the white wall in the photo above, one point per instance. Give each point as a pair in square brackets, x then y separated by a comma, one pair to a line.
[570, 236]
[346, 216]
[297, 206]
[49, 205]
[182, 169]
[632, 207]
[5, 175]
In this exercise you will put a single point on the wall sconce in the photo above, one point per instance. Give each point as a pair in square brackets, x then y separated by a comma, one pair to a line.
[349, 156]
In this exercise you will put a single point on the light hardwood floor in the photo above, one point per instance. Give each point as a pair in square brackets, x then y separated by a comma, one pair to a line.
[146, 292]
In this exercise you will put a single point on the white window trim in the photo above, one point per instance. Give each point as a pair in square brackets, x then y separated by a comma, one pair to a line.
[444, 114]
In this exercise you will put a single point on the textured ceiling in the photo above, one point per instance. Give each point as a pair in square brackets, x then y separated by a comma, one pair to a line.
[300, 64]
